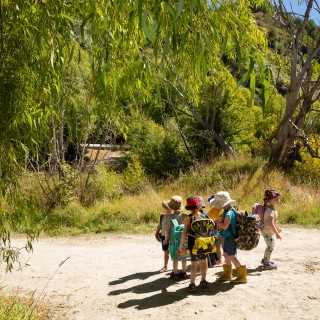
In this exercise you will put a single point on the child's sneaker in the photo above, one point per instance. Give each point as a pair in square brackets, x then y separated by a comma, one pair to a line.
[174, 276]
[270, 265]
[182, 275]
[192, 287]
[204, 284]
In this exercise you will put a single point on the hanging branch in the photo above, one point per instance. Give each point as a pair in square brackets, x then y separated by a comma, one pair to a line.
[305, 141]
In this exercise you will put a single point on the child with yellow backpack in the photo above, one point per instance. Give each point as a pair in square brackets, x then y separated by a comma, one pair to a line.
[199, 230]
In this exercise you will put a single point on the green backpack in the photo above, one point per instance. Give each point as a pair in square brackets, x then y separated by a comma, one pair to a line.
[176, 233]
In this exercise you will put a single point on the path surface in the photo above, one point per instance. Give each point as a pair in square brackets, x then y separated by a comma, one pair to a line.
[116, 277]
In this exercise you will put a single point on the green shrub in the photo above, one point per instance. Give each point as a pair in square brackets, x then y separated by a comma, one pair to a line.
[160, 151]
[104, 184]
[307, 171]
[13, 308]
[134, 178]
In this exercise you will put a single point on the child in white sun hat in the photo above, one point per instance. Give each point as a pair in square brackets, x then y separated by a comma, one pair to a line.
[223, 200]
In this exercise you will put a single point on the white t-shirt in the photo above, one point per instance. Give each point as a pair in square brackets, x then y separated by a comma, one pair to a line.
[270, 212]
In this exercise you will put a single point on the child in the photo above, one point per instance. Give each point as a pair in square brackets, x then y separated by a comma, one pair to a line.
[223, 201]
[160, 234]
[194, 205]
[216, 214]
[270, 228]
[175, 204]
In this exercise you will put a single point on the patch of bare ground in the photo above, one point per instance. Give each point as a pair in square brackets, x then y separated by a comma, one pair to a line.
[117, 277]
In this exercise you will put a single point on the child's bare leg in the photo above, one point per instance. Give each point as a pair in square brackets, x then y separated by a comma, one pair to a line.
[203, 268]
[227, 259]
[184, 265]
[175, 266]
[219, 253]
[166, 259]
[193, 272]
[235, 261]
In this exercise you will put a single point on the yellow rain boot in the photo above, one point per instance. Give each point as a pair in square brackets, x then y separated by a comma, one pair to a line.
[227, 273]
[242, 275]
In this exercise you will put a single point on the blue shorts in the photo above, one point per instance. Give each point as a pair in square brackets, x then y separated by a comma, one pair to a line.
[165, 247]
[229, 246]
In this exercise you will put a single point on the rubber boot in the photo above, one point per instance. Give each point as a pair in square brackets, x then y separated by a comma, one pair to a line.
[242, 275]
[227, 273]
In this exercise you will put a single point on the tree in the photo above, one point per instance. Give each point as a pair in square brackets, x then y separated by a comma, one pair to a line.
[38, 39]
[201, 43]
[303, 87]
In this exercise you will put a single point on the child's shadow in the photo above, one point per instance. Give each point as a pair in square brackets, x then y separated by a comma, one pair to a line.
[146, 287]
[166, 298]
[257, 271]
[139, 275]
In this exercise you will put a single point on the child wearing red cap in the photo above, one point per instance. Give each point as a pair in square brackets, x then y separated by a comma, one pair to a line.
[194, 205]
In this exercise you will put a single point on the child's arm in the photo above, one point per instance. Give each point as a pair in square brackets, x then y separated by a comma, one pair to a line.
[274, 227]
[167, 235]
[157, 232]
[158, 228]
[225, 224]
[183, 239]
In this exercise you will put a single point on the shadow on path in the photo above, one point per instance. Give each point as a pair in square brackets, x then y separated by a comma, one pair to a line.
[166, 298]
[159, 286]
[139, 275]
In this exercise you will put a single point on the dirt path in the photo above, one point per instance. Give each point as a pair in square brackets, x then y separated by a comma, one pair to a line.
[116, 277]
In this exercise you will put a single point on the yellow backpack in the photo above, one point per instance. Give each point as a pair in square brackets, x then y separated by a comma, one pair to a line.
[202, 230]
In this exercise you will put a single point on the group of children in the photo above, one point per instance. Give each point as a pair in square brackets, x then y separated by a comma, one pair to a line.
[225, 221]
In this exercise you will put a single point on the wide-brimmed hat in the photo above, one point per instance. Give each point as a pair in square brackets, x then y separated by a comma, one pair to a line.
[175, 203]
[221, 199]
[165, 204]
[194, 202]
[270, 194]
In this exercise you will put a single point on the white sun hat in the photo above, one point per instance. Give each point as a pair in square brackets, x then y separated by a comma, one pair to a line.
[221, 199]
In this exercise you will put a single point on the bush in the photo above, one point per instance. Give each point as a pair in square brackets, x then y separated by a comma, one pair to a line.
[104, 184]
[160, 152]
[307, 171]
[133, 177]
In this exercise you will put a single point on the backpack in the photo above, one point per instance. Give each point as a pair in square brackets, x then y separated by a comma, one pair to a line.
[247, 229]
[176, 233]
[259, 210]
[202, 232]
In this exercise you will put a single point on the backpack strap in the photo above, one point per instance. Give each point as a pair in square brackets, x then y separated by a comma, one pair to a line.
[174, 221]
[230, 227]
[204, 215]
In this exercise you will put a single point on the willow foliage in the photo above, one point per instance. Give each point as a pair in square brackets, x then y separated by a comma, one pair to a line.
[123, 49]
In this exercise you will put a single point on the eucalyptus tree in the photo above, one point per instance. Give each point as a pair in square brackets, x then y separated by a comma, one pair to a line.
[303, 86]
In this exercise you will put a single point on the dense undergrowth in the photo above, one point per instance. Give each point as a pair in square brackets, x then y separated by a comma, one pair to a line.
[137, 210]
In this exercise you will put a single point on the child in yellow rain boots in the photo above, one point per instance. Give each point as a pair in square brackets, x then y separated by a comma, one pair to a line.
[223, 200]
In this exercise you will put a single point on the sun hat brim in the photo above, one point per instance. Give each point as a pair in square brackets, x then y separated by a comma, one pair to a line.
[217, 203]
[198, 206]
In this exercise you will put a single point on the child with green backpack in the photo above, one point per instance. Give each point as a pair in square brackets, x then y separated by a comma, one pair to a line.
[173, 233]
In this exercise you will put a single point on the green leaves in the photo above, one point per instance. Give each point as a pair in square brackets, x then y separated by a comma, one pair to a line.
[149, 25]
